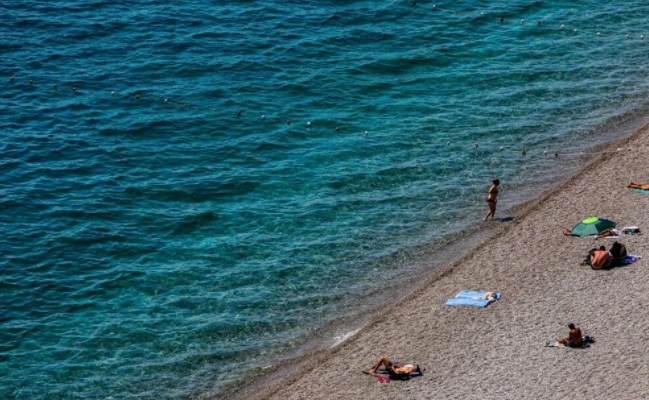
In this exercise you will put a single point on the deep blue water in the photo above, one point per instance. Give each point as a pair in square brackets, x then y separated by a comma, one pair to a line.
[210, 182]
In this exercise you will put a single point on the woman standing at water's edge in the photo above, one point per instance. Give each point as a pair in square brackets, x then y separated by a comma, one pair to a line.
[492, 198]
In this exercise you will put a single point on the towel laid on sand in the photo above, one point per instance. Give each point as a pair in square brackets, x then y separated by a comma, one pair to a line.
[630, 259]
[474, 298]
[643, 191]
[585, 343]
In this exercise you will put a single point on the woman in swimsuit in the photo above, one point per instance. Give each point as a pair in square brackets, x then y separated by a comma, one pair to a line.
[492, 198]
[394, 369]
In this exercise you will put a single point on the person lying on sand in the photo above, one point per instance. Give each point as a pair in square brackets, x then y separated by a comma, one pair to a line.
[608, 233]
[393, 368]
[574, 337]
[491, 296]
[634, 185]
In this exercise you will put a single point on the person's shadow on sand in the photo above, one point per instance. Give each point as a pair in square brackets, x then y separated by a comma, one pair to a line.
[505, 219]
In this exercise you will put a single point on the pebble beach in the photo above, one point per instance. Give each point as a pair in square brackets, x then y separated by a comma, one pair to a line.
[499, 352]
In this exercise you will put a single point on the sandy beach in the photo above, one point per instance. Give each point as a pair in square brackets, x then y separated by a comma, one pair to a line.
[498, 352]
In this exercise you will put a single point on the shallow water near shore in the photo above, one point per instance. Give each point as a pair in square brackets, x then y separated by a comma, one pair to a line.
[209, 183]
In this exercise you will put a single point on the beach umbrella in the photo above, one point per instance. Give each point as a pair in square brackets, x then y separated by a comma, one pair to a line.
[592, 226]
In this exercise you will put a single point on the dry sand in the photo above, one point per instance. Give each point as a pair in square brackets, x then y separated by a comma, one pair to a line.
[498, 352]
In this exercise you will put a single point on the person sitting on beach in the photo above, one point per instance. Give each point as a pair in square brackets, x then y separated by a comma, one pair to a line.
[574, 337]
[618, 253]
[634, 185]
[394, 369]
[599, 258]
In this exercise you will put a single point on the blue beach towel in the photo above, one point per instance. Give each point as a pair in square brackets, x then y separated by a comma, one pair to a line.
[643, 191]
[474, 298]
[630, 259]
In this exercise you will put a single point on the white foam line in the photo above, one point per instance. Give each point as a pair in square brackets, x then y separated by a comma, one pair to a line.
[345, 336]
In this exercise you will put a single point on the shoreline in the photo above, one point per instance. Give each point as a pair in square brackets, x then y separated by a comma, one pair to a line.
[324, 343]
[278, 379]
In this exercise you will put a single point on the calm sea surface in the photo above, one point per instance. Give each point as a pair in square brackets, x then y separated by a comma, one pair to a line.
[210, 182]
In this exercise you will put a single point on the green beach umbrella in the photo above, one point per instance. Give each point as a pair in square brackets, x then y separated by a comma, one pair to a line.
[592, 226]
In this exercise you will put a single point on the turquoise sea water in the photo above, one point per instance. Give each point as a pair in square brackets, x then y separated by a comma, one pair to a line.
[210, 182]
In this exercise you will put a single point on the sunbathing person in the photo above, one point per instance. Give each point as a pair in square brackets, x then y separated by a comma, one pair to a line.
[574, 337]
[394, 369]
[599, 258]
[634, 185]
[608, 233]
